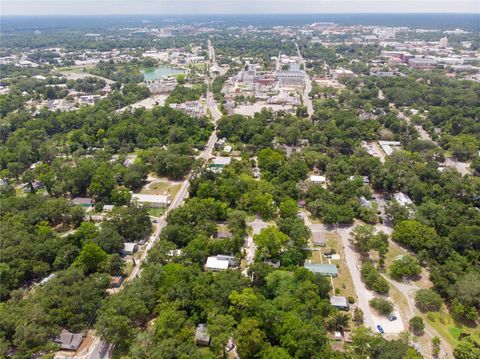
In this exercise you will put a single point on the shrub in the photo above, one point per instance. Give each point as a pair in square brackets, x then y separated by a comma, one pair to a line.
[382, 305]
[416, 325]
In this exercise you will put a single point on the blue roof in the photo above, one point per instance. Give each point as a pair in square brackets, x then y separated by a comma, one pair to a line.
[326, 269]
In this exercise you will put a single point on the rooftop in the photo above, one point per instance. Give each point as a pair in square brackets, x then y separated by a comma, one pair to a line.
[325, 269]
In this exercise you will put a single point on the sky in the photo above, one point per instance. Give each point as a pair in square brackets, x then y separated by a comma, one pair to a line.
[169, 7]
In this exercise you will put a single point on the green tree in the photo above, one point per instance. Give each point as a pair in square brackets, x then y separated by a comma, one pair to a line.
[416, 325]
[288, 208]
[249, 337]
[405, 267]
[92, 258]
[270, 242]
[103, 183]
[466, 350]
[414, 235]
[428, 301]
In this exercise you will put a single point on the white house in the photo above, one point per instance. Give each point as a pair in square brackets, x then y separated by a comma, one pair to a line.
[151, 200]
[219, 262]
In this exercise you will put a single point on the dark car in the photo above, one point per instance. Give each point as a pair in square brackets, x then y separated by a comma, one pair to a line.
[392, 318]
[380, 329]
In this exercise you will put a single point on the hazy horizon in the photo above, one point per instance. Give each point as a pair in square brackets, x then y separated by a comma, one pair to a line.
[229, 7]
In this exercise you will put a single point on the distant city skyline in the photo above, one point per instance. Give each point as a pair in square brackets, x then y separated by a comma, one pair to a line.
[171, 7]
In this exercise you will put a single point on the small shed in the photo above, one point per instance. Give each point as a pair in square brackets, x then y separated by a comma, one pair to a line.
[107, 208]
[340, 302]
[201, 335]
[338, 335]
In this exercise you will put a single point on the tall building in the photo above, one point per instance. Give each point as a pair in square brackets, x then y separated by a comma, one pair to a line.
[443, 42]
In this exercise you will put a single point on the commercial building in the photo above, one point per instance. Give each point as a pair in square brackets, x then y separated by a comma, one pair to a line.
[342, 74]
[422, 63]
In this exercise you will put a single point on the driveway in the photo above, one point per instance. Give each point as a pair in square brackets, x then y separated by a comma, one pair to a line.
[249, 246]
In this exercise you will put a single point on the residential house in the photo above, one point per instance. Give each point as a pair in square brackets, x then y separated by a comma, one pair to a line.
[318, 239]
[69, 341]
[323, 269]
[151, 200]
[219, 263]
[129, 248]
[83, 202]
[318, 179]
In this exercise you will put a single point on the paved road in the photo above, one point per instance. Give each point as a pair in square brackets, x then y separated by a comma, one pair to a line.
[308, 85]
[213, 60]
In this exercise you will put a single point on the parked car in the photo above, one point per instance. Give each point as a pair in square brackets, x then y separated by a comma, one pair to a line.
[380, 329]
[392, 318]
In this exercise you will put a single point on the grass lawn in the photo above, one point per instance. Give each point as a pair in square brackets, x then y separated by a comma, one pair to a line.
[161, 187]
[393, 252]
[128, 268]
[450, 329]
[156, 212]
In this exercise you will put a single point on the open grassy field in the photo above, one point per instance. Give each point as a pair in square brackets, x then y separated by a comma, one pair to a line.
[449, 328]
[162, 187]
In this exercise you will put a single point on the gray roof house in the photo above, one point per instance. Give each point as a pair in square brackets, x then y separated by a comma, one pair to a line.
[318, 239]
[69, 341]
[340, 302]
